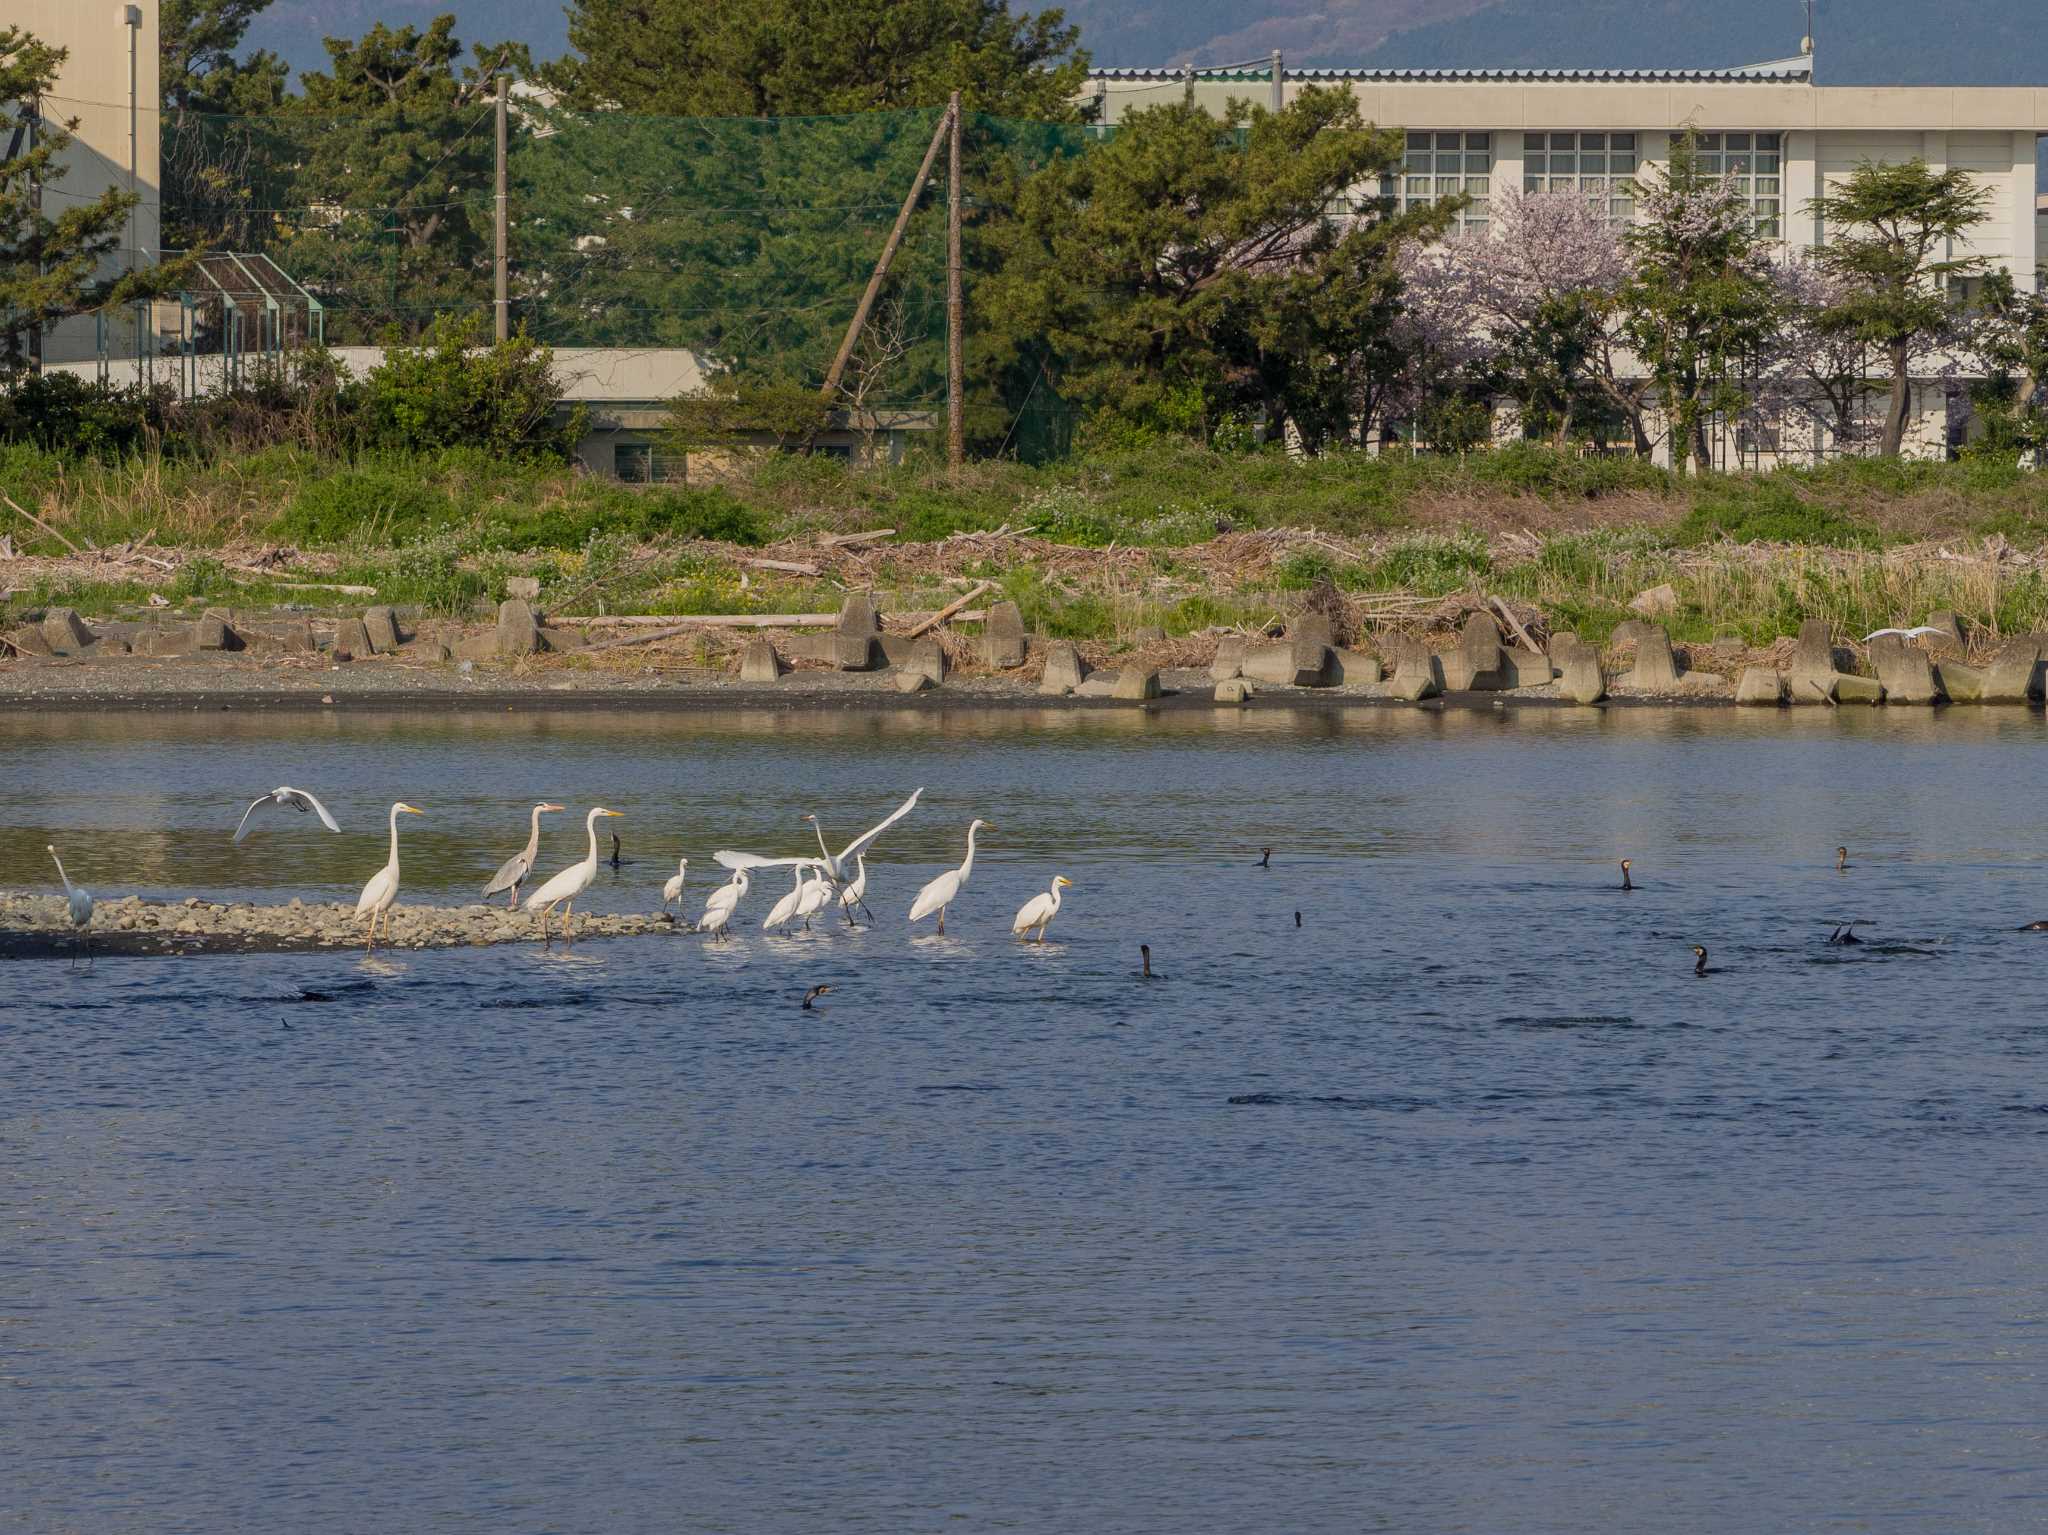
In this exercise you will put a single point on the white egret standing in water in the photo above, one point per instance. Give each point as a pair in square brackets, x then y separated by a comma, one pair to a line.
[291, 799]
[79, 903]
[835, 867]
[570, 883]
[783, 911]
[673, 890]
[513, 871]
[719, 909]
[381, 892]
[812, 896]
[856, 894]
[1039, 911]
[943, 891]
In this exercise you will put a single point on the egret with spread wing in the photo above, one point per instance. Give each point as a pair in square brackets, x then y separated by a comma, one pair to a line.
[289, 798]
[836, 868]
[1039, 911]
[943, 891]
[381, 893]
[512, 873]
[1913, 633]
[569, 884]
[79, 908]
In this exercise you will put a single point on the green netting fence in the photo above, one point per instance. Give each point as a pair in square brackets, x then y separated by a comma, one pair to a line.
[745, 241]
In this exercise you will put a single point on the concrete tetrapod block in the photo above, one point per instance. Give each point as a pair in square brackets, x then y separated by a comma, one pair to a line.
[212, 632]
[853, 640]
[1136, 683]
[913, 682]
[518, 632]
[1065, 671]
[1415, 674]
[1476, 662]
[1851, 689]
[1312, 629]
[1233, 690]
[1229, 660]
[381, 624]
[1561, 644]
[1810, 677]
[1952, 639]
[472, 647]
[928, 659]
[1526, 669]
[1349, 668]
[1003, 641]
[1097, 686]
[527, 587]
[1905, 673]
[66, 632]
[352, 640]
[1960, 683]
[28, 641]
[1580, 678]
[2015, 675]
[759, 662]
[1656, 669]
[1300, 664]
[1760, 685]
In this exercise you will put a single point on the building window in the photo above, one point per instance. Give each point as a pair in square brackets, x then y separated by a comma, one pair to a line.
[1442, 165]
[1600, 165]
[641, 463]
[1756, 162]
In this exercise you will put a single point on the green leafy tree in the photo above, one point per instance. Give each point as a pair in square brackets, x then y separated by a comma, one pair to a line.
[1698, 304]
[51, 267]
[1885, 227]
[211, 184]
[392, 150]
[2009, 334]
[451, 389]
[1192, 269]
[765, 58]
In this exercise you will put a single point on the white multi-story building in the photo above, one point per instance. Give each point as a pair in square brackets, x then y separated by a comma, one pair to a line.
[1786, 139]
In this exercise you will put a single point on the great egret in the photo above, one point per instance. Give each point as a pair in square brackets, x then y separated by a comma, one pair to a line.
[291, 799]
[512, 873]
[569, 884]
[813, 896]
[80, 904]
[783, 911]
[719, 909]
[673, 890]
[835, 867]
[1039, 911]
[1905, 634]
[944, 890]
[856, 894]
[382, 891]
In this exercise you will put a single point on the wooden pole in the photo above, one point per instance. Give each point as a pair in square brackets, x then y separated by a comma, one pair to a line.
[956, 345]
[881, 273]
[502, 302]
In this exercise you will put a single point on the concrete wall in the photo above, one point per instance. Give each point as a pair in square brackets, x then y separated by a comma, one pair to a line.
[93, 88]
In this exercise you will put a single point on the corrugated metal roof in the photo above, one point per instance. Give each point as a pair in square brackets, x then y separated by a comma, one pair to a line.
[1800, 68]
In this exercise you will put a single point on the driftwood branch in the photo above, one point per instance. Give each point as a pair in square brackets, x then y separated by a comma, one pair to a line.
[950, 610]
[32, 517]
[1515, 624]
[840, 540]
[794, 567]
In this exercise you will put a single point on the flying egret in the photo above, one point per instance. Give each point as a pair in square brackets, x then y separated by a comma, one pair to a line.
[569, 884]
[1039, 911]
[856, 893]
[673, 890]
[512, 873]
[291, 799]
[80, 904]
[944, 890]
[381, 892]
[719, 909]
[783, 911]
[835, 868]
[1905, 634]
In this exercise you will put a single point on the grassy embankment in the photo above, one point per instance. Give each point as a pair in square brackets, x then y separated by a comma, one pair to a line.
[1176, 536]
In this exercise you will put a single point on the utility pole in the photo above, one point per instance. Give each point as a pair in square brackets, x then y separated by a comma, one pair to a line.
[1279, 82]
[502, 304]
[956, 364]
[837, 371]
[34, 113]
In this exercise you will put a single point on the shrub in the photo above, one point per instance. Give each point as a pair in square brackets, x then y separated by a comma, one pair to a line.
[714, 513]
[370, 506]
[450, 390]
[1769, 511]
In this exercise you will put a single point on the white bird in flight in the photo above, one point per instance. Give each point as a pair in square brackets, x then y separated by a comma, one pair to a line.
[513, 871]
[570, 883]
[836, 867]
[290, 798]
[943, 891]
[79, 902]
[1905, 634]
[381, 893]
[1039, 911]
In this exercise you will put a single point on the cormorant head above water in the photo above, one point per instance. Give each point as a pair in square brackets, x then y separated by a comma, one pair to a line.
[1265, 858]
[1841, 859]
[812, 995]
[1626, 865]
[1699, 960]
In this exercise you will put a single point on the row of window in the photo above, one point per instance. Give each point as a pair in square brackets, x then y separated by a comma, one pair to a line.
[1601, 166]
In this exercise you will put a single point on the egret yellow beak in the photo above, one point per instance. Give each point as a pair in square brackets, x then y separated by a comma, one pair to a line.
[1062, 879]
[611, 812]
[412, 810]
[553, 807]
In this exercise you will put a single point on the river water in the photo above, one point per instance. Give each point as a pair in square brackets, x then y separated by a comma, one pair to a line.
[1463, 1205]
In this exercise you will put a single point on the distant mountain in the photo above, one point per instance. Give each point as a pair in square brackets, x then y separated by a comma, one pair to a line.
[293, 29]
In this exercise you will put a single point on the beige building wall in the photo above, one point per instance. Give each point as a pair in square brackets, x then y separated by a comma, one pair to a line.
[94, 89]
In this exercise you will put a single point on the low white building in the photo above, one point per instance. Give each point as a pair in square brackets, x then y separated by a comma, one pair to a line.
[1786, 138]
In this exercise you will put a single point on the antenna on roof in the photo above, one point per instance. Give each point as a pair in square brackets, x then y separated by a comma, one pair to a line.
[1806, 42]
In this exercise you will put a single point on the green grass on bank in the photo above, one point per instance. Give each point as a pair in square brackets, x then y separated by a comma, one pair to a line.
[443, 532]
